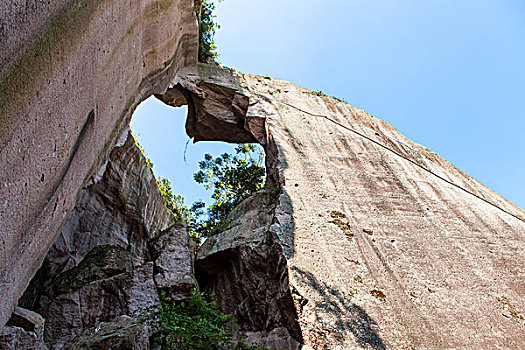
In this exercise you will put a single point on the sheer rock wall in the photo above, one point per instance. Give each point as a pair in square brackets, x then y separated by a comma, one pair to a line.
[365, 239]
[71, 74]
[386, 244]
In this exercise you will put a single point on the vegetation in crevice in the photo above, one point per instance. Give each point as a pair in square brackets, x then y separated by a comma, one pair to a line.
[320, 93]
[175, 203]
[194, 324]
[231, 177]
[149, 163]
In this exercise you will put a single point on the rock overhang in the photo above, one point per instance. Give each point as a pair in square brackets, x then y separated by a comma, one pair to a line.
[376, 251]
[72, 73]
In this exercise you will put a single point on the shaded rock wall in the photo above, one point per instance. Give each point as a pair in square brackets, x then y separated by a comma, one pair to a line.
[71, 74]
[108, 283]
[124, 333]
[370, 241]
[244, 270]
[118, 249]
[25, 330]
[387, 245]
[124, 208]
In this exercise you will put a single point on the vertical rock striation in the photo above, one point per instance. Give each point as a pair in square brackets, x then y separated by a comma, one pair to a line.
[124, 208]
[108, 260]
[362, 238]
[383, 243]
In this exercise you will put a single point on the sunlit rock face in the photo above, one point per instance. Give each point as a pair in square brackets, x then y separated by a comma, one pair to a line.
[384, 243]
[71, 74]
[124, 208]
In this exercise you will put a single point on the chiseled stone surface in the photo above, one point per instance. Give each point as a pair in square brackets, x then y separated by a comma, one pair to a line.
[71, 74]
[387, 244]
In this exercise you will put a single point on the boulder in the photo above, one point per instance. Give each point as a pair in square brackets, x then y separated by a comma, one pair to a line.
[23, 331]
[244, 270]
[108, 283]
[125, 333]
[173, 261]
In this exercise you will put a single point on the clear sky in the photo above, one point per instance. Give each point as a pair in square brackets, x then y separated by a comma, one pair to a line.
[449, 75]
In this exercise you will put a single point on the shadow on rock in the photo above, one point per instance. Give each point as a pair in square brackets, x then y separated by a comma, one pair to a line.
[347, 315]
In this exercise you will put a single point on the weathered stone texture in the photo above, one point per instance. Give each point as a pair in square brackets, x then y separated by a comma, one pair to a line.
[124, 208]
[24, 330]
[243, 269]
[124, 333]
[387, 244]
[101, 267]
[173, 259]
[105, 285]
[368, 240]
[71, 74]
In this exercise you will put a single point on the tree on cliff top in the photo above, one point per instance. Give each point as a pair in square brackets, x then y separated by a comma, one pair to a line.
[207, 28]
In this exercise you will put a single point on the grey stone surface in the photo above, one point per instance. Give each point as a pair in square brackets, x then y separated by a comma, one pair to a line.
[173, 262]
[23, 331]
[387, 245]
[106, 284]
[277, 338]
[244, 270]
[71, 74]
[124, 208]
[100, 267]
[17, 338]
[124, 333]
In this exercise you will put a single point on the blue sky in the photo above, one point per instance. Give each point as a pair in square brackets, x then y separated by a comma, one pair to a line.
[449, 75]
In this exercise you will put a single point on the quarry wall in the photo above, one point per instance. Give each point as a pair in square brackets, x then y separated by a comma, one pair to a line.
[362, 239]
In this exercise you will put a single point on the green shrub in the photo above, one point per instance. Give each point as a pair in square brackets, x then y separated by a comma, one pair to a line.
[231, 177]
[207, 28]
[194, 324]
[175, 203]
[149, 163]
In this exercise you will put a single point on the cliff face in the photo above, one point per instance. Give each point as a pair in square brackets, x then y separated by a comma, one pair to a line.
[71, 74]
[118, 250]
[386, 245]
[361, 239]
